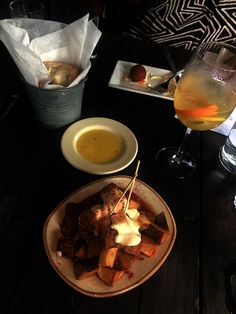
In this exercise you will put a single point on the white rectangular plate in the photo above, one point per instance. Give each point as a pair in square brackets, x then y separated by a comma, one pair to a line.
[120, 79]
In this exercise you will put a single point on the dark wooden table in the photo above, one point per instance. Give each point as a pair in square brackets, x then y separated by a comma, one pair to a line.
[34, 178]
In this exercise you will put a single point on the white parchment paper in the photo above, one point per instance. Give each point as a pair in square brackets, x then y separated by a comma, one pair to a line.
[32, 41]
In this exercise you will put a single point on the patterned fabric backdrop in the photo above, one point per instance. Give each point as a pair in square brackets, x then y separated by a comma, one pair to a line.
[186, 23]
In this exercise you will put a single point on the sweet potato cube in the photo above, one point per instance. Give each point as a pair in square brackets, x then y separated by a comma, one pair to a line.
[93, 247]
[161, 221]
[163, 237]
[148, 247]
[124, 261]
[66, 246]
[133, 250]
[83, 271]
[157, 234]
[81, 253]
[108, 238]
[107, 257]
[144, 222]
[109, 276]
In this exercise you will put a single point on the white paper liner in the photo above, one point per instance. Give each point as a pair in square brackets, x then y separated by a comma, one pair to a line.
[32, 41]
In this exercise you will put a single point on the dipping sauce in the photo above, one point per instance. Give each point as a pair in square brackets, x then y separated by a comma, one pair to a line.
[100, 146]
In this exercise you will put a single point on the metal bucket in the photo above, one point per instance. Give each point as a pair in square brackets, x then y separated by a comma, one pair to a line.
[56, 108]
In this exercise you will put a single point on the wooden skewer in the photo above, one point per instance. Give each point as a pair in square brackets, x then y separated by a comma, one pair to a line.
[118, 201]
[132, 186]
[131, 183]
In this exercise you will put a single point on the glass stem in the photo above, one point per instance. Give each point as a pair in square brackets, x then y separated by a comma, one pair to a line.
[177, 157]
[183, 143]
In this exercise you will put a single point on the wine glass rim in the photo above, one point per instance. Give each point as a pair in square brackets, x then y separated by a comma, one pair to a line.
[220, 44]
[39, 9]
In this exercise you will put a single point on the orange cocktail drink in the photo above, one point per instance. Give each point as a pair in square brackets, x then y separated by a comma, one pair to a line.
[202, 103]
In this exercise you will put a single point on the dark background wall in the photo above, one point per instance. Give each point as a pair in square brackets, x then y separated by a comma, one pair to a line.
[116, 13]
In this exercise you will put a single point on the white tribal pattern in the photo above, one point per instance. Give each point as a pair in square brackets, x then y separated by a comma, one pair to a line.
[186, 23]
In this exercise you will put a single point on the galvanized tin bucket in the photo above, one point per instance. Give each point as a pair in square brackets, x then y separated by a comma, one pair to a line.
[56, 108]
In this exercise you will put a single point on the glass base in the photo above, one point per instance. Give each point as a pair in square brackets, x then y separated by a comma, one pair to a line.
[171, 164]
[227, 158]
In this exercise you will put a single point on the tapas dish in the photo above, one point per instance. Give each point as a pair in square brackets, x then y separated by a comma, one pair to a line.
[103, 247]
[123, 78]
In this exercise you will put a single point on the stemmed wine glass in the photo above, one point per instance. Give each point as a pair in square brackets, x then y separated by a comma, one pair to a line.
[204, 98]
[33, 9]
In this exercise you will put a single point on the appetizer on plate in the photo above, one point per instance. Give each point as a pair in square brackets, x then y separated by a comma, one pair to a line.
[107, 231]
[137, 73]
[140, 78]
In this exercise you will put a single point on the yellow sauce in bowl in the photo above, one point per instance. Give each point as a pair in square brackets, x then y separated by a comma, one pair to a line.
[100, 146]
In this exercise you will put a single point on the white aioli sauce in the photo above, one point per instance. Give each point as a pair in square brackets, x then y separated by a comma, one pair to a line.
[128, 230]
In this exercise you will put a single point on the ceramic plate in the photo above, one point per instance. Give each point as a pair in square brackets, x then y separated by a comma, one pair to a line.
[71, 154]
[120, 80]
[142, 269]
